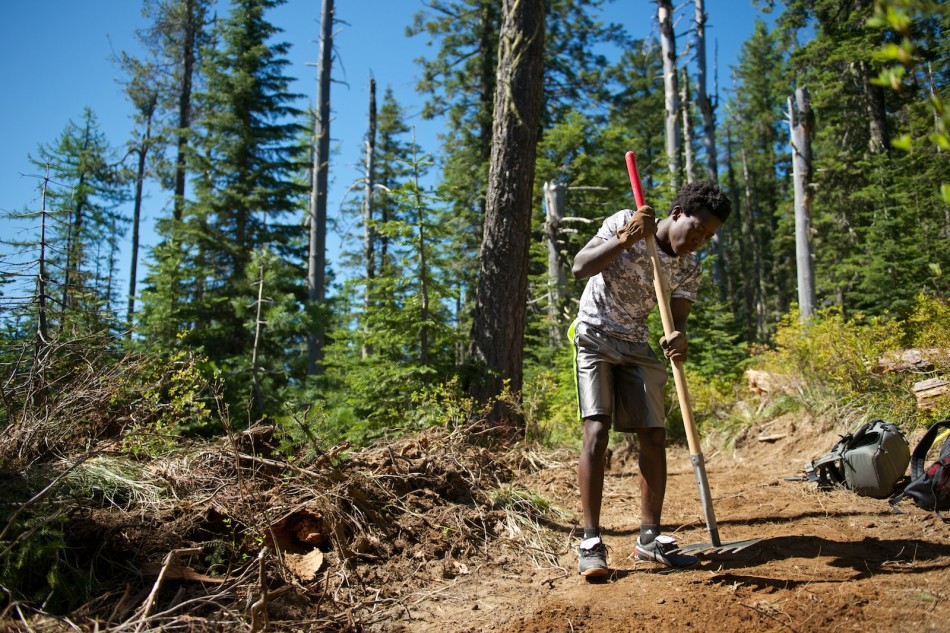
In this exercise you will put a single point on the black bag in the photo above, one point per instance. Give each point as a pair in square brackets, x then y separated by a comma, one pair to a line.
[930, 489]
[869, 461]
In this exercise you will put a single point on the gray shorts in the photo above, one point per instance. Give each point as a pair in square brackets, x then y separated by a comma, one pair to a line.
[618, 379]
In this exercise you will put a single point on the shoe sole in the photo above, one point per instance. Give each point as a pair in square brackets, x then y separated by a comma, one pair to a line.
[650, 559]
[595, 572]
[676, 561]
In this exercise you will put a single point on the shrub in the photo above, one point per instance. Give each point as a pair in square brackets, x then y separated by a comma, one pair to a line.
[836, 360]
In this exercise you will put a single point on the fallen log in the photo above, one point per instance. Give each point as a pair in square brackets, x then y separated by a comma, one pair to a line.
[918, 360]
[929, 392]
[767, 383]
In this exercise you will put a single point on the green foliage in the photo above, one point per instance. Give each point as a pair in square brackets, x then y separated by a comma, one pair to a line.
[442, 404]
[755, 245]
[879, 220]
[920, 26]
[176, 395]
[76, 234]
[832, 349]
[246, 197]
[836, 361]
[927, 326]
[396, 335]
[35, 562]
[549, 401]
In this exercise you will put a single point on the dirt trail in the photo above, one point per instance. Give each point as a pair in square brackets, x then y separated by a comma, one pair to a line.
[827, 561]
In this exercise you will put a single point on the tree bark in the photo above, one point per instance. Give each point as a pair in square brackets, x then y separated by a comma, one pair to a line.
[184, 106]
[144, 146]
[369, 234]
[316, 262]
[670, 92]
[877, 116]
[800, 128]
[706, 108]
[687, 130]
[554, 205]
[754, 237]
[497, 346]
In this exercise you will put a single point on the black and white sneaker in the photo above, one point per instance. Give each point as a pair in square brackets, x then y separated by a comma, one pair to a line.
[592, 558]
[663, 551]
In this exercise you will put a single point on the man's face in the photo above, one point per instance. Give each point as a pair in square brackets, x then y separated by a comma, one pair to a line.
[688, 233]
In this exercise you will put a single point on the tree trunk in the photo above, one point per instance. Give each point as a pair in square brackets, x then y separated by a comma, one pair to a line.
[800, 128]
[424, 281]
[184, 106]
[137, 208]
[668, 49]
[369, 233]
[42, 332]
[706, 108]
[740, 304]
[258, 329]
[316, 262]
[500, 303]
[554, 204]
[687, 130]
[753, 237]
[875, 108]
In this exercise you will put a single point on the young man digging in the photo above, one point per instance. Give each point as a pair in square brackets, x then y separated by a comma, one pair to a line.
[620, 380]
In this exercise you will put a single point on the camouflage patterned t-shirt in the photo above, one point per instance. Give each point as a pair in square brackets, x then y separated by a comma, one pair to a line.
[618, 300]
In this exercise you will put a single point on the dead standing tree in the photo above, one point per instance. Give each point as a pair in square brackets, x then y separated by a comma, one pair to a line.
[369, 232]
[670, 92]
[554, 212]
[497, 345]
[706, 107]
[686, 107]
[707, 110]
[800, 127]
[317, 260]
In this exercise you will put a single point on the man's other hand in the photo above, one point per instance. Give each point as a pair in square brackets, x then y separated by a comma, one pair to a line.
[674, 346]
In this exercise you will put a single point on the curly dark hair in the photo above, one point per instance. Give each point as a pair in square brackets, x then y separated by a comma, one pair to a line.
[703, 195]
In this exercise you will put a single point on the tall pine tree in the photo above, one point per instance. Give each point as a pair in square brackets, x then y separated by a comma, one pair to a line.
[247, 198]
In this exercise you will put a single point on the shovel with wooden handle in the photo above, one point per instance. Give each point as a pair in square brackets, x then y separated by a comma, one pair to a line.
[679, 377]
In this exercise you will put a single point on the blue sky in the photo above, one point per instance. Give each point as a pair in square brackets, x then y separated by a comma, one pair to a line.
[57, 61]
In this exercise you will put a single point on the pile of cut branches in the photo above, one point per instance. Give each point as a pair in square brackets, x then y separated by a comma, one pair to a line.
[232, 534]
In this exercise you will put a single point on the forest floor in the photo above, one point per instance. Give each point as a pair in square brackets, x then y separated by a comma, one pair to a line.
[440, 533]
[827, 561]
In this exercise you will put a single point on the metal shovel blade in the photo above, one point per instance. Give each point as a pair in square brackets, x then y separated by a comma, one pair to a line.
[722, 548]
[715, 546]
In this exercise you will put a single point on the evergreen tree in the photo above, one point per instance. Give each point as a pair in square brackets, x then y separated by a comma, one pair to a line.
[498, 324]
[402, 339]
[174, 43]
[761, 278]
[83, 199]
[169, 68]
[246, 197]
[145, 99]
[866, 220]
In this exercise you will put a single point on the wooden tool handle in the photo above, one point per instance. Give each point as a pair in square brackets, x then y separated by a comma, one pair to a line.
[666, 315]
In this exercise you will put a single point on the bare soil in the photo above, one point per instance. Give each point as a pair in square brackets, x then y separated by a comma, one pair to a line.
[827, 561]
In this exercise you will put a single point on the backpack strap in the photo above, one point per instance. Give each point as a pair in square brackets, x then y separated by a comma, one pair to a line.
[826, 470]
[918, 460]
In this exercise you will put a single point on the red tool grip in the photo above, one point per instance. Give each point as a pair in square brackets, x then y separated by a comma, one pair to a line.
[634, 179]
